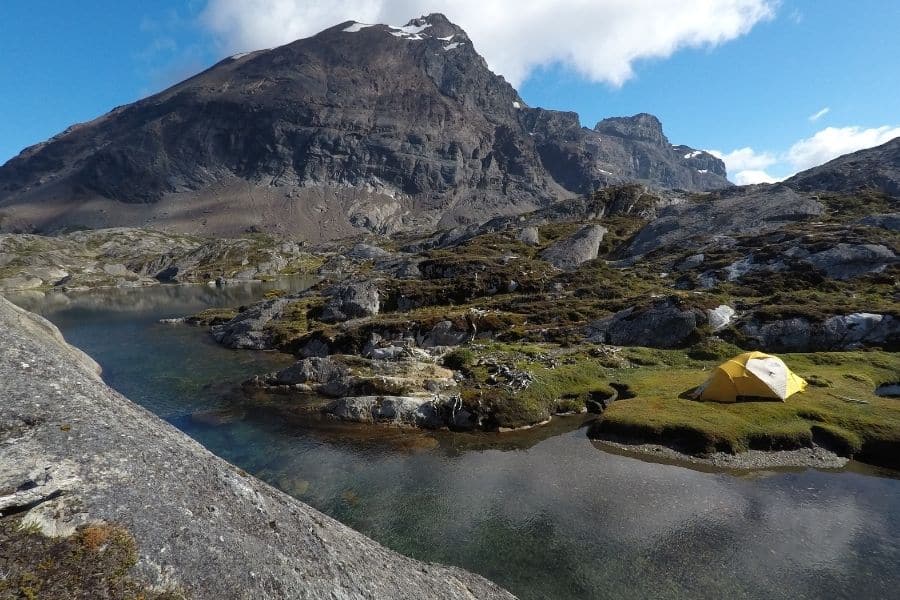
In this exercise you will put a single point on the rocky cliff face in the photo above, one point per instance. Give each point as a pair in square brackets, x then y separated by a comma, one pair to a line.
[358, 127]
[76, 453]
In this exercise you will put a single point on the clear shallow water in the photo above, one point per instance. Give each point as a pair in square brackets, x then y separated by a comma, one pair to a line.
[546, 513]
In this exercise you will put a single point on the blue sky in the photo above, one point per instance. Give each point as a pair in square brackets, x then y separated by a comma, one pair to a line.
[750, 96]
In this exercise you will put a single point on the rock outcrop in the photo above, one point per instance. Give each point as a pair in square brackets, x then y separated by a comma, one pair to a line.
[133, 257]
[838, 332]
[75, 452]
[749, 210]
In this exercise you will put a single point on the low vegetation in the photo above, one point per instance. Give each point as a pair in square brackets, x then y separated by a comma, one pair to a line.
[838, 410]
[95, 562]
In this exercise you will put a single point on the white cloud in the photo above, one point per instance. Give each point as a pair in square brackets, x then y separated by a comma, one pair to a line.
[819, 114]
[750, 177]
[745, 159]
[747, 166]
[600, 39]
[832, 142]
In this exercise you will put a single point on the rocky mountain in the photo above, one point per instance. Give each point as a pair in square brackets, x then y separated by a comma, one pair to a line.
[360, 127]
[875, 169]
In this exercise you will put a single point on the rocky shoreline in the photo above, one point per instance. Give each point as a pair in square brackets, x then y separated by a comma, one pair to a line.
[78, 459]
[814, 457]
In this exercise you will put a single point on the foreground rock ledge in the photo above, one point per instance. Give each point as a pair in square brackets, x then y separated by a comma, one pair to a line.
[75, 451]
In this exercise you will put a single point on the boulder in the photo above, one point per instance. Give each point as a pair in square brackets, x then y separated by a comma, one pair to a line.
[691, 262]
[663, 324]
[720, 317]
[325, 376]
[350, 301]
[845, 261]
[444, 333]
[582, 246]
[530, 236]
[368, 252]
[248, 329]
[401, 410]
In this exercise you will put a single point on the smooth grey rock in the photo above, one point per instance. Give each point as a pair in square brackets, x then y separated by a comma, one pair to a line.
[663, 324]
[875, 168]
[577, 249]
[199, 522]
[368, 252]
[530, 236]
[742, 211]
[845, 261]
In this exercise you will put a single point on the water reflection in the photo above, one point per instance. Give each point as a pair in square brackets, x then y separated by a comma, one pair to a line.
[545, 513]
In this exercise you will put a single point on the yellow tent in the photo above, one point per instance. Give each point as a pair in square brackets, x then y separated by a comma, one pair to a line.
[751, 374]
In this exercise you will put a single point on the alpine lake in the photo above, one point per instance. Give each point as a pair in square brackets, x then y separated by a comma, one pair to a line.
[545, 513]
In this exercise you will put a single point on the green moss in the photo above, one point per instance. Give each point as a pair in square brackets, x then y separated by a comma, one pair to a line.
[847, 414]
[459, 359]
[212, 316]
[95, 562]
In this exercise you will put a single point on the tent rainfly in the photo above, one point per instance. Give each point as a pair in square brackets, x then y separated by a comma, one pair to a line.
[752, 374]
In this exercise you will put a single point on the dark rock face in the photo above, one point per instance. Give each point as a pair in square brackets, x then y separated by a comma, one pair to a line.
[384, 128]
[871, 169]
[663, 324]
[619, 149]
[839, 332]
[889, 221]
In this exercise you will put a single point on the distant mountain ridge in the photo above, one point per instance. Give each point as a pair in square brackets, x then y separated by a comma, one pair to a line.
[360, 127]
[875, 169]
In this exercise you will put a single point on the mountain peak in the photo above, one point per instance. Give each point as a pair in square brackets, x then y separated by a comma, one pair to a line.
[642, 126]
[433, 26]
[363, 126]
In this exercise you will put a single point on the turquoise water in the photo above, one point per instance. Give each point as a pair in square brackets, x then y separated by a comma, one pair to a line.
[547, 513]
